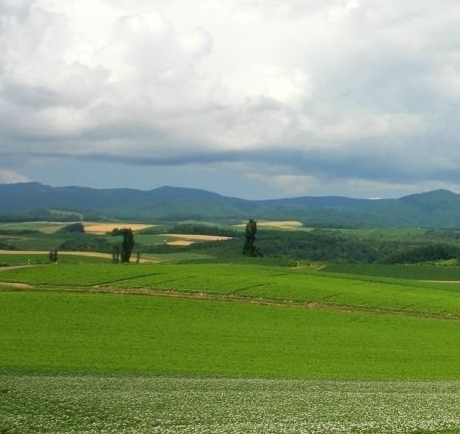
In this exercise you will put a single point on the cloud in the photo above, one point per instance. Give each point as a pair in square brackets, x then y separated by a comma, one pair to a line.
[336, 92]
[10, 177]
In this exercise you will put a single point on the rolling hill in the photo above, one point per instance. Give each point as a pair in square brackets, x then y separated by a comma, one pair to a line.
[439, 208]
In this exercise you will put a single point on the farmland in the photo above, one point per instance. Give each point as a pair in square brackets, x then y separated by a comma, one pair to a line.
[206, 342]
[128, 363]
[103, 228]
[145, 404]
[281, 284]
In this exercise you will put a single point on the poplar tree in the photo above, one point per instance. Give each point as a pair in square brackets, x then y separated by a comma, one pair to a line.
[251, 229]
[127, 244]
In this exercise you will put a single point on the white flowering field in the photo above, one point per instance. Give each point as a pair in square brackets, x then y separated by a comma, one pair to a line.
[91, 404]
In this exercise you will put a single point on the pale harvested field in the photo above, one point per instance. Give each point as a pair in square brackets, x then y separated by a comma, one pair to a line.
[277, 224]
[180, 243]
[23, 252]
[196, 237]
[65, 253]
[182, 240]
[103, 228]
[44, 252]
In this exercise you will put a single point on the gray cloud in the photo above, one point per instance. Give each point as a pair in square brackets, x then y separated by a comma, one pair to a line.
[312, 95]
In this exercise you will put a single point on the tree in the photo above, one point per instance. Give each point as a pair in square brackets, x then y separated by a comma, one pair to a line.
[249, 248]
[127, 244]
[116, 253]
[53, 255]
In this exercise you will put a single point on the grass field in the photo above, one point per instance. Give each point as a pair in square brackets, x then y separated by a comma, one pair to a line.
[228, 348]
[42, 226]
[180, 336]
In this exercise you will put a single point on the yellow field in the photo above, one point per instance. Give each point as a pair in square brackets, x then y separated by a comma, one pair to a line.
[24, 252]
[187, 239]
[103, 228]
[276, 224]
[64, 253]
[180, 243]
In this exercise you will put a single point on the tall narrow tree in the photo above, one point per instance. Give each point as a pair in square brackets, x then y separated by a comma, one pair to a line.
[116, 253]
[127, 244]
[251, 229]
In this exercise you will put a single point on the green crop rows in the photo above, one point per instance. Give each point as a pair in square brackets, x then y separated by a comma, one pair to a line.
[73, 331]
[274, 283]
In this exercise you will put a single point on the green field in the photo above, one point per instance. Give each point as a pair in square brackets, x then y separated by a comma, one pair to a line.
[179, 336]
[430, 272]
[42, 226]
[229, 348]
[283, 284]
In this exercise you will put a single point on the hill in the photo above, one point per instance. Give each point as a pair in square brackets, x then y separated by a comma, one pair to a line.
[439, 208]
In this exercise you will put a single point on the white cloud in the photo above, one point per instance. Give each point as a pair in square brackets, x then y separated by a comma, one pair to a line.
[347, 80]
[11, 177]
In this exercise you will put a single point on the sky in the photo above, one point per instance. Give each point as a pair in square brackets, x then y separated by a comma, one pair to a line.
[255, 99]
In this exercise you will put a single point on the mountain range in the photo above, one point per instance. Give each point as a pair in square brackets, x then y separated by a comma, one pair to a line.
[435, 209]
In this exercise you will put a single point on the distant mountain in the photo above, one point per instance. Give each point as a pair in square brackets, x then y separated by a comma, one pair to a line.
[439, 208]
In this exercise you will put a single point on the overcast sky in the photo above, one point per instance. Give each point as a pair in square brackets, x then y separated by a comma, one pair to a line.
[247, 98]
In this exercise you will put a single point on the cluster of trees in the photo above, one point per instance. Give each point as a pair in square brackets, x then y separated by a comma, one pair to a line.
[320, 245]
[201, 229]
[87, 243]
[81, 241]
[122, 251]
[53, 255]
[327, 246]
[18, 232]
[6, 246]
[44, 215]
[73, 228]
[429, 252]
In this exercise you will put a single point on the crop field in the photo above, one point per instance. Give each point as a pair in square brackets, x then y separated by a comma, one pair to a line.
[23, 257]
[96, 348]
[103, 228]
[300, 286]
[187, 239]
[276, 224]
[170, 335]
[166, 405]
[45, 227]
[415, 271]
[180, 257]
